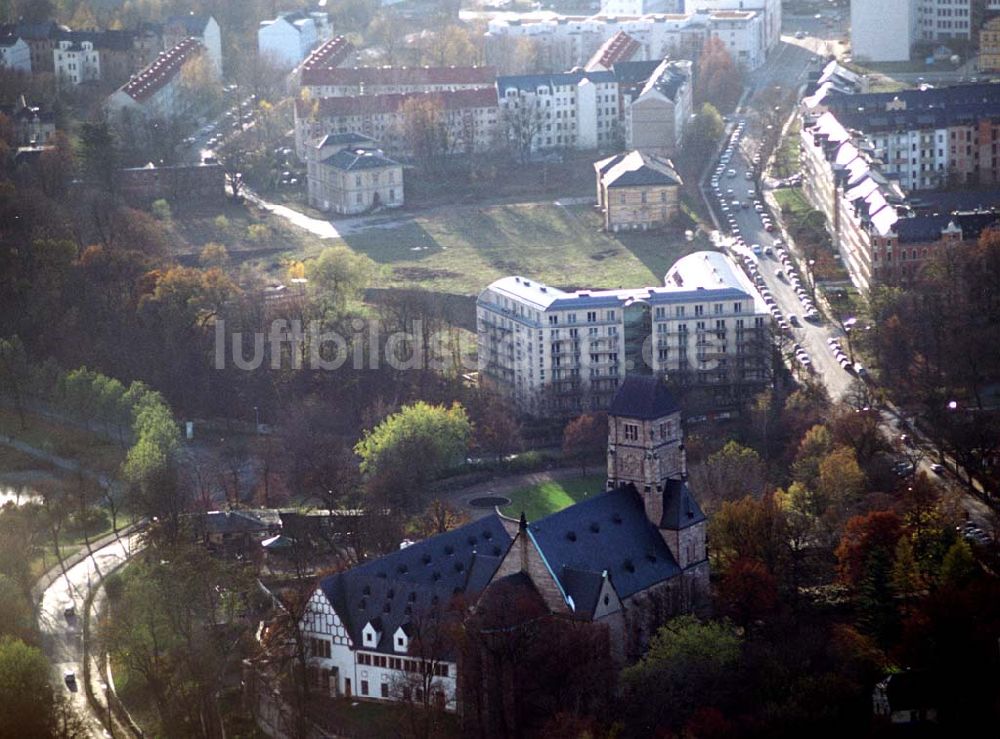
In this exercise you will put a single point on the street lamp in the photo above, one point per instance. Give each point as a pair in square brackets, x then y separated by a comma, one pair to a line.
[256, 419]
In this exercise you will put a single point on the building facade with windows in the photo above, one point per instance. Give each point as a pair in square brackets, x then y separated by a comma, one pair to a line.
[552, 352]
[76, 62]
[345, 176]
[469, 117]
[351, 81]
[637, 190]
[624, 559]
[989, 46]
[288, 38]
[15, 54]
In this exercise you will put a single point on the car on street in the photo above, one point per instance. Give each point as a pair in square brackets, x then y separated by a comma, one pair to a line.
[937, 469]
[69, 677]
[794, 320]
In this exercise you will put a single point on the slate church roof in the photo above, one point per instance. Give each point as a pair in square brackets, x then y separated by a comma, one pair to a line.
[643, 397]
[608, 534]
[421, 577]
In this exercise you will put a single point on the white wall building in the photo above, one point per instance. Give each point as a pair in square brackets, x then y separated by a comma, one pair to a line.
[641, 7]
[551, 351]
[347, 174]
[942, 20]
[769, 10]
[573, 110]
[570, 41]
[155, 91]
[290, 37]
[15, 54]
[883, 30]
[202, 27]
[76, 62]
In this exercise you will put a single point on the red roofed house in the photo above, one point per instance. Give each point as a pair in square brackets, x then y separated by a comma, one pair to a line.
[155, 90]
[619, 48]
[470, 119]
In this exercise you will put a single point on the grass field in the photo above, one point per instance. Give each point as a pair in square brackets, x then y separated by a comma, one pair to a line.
[72, 442]
[462, 250]
[539, 501]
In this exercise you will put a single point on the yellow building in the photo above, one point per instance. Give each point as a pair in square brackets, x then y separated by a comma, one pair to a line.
[989, 46]
[637, 191]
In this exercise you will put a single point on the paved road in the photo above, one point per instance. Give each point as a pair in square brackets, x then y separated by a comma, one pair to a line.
[62, 636]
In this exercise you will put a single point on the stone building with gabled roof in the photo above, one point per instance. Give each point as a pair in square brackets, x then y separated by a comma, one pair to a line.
[627, 558]
[347, 173]
[637, 190]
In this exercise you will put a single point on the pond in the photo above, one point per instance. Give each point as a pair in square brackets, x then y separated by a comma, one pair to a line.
[22, 486]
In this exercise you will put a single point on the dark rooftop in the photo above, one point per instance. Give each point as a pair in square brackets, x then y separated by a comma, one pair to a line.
[643, 397]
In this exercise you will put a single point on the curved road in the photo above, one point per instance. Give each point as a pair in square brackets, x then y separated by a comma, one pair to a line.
[62, 635]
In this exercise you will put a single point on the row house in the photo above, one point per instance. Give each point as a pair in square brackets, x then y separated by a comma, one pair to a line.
[989, 46]
[103, 56]
[930, 138]
[323, 82]
[156, 90]
[899, 255]
[552, 352]
[331, 54]
[202, 27]
[470, 119]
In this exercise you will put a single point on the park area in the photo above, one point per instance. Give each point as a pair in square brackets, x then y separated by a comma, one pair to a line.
[538, 501]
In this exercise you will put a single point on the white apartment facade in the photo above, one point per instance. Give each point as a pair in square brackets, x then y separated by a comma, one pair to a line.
[15, 54]
[570, 41]
[551, 351]
[943, 20]
[573, 110]
[883, 30]
[332, 82]
[288, 38]
[76, 62]
[769, 10]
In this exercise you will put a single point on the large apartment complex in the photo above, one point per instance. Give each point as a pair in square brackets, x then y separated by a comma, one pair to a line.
[565, 42]
[553, 352]
[156, 90]
[885, 30]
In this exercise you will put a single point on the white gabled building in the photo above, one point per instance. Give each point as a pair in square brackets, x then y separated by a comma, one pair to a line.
[15, 54]
[655, 121]
[155, 91]
[202, 27]
[76, 62]
[290, 37]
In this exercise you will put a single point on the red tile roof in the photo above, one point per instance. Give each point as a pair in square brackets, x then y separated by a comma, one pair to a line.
[163, 69]
[619, 48]
[374, 104]
[481, 76]
[328, 55]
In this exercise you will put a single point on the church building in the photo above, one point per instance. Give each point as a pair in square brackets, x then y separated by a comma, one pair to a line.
[629, 557]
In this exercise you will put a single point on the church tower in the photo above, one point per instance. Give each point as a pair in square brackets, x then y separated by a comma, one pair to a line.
[646, 451]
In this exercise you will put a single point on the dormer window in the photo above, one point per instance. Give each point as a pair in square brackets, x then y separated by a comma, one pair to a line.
[401, 639]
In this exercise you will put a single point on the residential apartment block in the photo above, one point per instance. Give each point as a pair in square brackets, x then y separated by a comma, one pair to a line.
[350, 81]
[76, 62]
[572, 110]
[989, 46]
[15, 54]
[41, 39]
[336, 52]
[945, 20]
[883, 30]
[347, 174]
[637, 191]
[931, 138]
[656, 120]
[552, 352]
[288, 38]
[566, 42]
[156, 90]
[470, 119]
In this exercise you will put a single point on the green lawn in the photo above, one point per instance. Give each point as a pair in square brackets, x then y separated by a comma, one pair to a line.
[539, 501]
[64, 440]
[461, 250]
